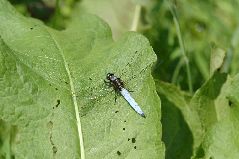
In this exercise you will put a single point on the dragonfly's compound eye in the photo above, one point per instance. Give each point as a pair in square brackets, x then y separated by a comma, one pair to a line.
[109, 75]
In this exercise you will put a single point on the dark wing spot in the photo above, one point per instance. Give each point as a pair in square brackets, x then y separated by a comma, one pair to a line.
[31, 28]
[128, 139]
[125, 121]
[133, 140]
[116, 111]
[135, 147]
[56, 89]
[123, 128]
[118, 153]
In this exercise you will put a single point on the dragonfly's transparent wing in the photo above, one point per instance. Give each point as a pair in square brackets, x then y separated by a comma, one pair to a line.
[132, 102]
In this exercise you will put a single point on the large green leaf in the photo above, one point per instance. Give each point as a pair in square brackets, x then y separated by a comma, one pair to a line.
[217, 104]
[180, 122]
[222, 139]
[52, 90]
[207, 124]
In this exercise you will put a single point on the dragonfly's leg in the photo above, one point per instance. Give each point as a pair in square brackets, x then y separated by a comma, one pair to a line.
[117, 93]
[115, 96]
[107, 83]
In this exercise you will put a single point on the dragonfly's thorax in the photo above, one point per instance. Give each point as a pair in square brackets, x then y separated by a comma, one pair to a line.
[117, 83]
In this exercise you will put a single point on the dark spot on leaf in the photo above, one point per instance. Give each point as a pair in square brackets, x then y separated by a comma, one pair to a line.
[66, 82]
[53, 107]
[56, 89]
[49, 84]
[118, 153]
[135, 147]
[54, 149]
[12, 157]
[128, 139]
[116, 111]
[125, 121]
[31, 28]
[218, 70]
[58, 102]
[230, 103]
[90, 78]
[123, 128]
[133, 140]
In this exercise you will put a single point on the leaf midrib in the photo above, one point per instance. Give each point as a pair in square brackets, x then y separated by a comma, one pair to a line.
[73, 94]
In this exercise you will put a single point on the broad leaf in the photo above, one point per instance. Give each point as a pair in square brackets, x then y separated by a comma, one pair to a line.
[52, 90]
[222, 139]
[220, 115]
[180, 122]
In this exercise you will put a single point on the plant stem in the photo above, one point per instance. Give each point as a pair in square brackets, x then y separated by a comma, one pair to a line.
[135, 22]
[176, 70]
[182, 47]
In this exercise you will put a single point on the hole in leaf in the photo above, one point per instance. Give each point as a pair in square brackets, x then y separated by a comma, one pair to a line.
[54, 149]
[118, 153]
[58, 102]
[230, 103]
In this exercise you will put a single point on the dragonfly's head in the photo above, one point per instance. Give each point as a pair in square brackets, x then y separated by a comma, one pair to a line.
[110, 76]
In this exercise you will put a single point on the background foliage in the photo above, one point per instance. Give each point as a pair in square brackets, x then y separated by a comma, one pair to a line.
[196, 72]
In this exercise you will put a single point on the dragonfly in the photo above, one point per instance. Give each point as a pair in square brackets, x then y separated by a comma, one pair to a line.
[118, 86]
